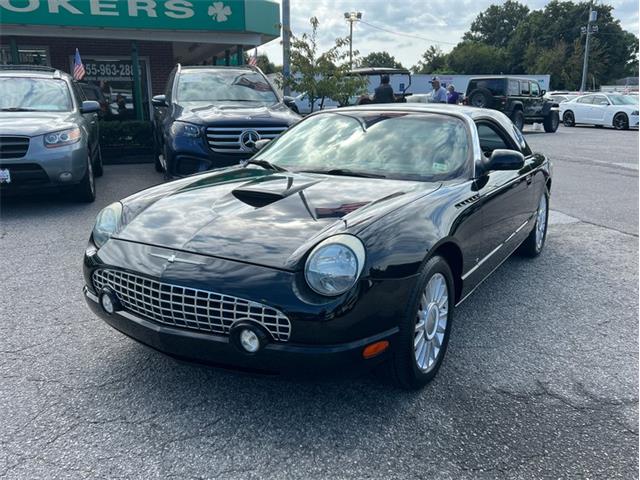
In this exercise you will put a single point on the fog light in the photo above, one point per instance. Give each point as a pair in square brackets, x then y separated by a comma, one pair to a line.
[66, 177]
[107, 303]
[249, 340]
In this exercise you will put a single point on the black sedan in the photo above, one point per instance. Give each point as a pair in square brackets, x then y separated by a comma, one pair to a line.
[345, 243]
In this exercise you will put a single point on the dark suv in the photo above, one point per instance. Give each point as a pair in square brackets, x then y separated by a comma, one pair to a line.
[211, 117]
[521, 99]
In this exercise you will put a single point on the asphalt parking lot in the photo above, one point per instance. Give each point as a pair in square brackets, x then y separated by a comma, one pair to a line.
[540, 380]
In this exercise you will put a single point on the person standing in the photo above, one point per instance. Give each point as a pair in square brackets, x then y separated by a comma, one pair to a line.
[453, 97]
[439, 94]
[384, 92]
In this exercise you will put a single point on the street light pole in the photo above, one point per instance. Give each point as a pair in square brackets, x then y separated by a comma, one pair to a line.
[351, 17]
[593, 16]
[286, 48]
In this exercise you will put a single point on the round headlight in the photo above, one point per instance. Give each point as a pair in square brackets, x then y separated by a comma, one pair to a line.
[51, 138]
[334, 265]
[107, 223]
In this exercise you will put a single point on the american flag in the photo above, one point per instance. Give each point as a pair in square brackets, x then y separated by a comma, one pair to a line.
[78, 67]
[253, 60]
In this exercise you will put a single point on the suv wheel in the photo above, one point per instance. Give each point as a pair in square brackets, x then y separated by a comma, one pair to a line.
[481, 97]
[517, 117]
[621, 121]
[85, 191]
[98, 170]
[551, 122]
[156, 158]
[568, 119]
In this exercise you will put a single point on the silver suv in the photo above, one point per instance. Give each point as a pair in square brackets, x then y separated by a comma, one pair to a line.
[48, 132]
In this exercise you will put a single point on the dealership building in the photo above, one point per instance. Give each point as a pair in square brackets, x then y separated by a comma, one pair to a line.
[113, 35]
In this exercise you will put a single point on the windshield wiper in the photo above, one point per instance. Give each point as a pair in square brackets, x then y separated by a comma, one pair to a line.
[345, 172]
[18, 109]
[264, 164]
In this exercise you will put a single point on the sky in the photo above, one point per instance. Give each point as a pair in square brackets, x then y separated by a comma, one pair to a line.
[438, 23]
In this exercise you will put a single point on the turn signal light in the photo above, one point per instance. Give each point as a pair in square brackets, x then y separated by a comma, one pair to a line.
[375, 349]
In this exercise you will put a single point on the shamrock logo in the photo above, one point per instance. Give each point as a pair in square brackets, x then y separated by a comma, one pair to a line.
[219, 12]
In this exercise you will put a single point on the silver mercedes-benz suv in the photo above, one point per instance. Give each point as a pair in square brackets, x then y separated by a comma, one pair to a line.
[48, 132]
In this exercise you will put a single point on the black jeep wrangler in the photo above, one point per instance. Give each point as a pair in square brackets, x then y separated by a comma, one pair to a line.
[520, 99]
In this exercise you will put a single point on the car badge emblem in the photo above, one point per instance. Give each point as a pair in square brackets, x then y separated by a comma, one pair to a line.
[172, 258]
[248, 139]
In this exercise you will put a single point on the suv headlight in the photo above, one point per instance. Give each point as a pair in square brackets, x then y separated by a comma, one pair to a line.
[108, 222]
[62, 138]
[186, 129]
[334, 265]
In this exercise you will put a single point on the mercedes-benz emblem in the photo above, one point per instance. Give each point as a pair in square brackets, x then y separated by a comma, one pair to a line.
[248, 139]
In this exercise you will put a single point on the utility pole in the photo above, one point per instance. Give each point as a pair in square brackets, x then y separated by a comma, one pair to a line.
[588, 30]
[351, 17]
[286, 46]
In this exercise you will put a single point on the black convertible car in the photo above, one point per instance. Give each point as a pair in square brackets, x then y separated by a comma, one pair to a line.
[344, 243]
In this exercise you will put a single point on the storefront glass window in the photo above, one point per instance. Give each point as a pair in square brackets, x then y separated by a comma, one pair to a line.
[27, 55]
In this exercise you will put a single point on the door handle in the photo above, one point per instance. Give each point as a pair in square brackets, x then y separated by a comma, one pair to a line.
[529, 179]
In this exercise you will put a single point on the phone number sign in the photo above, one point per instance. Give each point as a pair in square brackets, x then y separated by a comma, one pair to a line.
[109, 70]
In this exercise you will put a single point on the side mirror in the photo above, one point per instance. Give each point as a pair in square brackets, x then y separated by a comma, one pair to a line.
[502, 159]
[260, 144]
[291, 103]
[159, 101]
[89, 106]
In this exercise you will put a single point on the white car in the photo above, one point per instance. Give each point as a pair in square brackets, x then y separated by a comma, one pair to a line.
[602, 109]
[302, 104]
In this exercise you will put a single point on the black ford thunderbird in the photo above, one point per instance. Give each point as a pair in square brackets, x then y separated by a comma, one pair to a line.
[344, 243]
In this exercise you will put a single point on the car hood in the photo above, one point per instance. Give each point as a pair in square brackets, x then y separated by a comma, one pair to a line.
[258, 216]
[238, 112]
[34, 123]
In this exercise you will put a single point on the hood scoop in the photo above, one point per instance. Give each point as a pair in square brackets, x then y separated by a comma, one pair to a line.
[263, 192]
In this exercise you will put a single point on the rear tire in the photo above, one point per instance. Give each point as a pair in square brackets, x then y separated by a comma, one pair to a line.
[534, 243]
[517, 117]
[551, 122]
[621, 121]
[428, 320]
[85, 191]
[481, 98]
[568, 119]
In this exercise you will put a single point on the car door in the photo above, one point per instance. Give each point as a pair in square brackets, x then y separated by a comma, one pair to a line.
[536, 100]
[598, 109]
[581, 109]
[90, 120]
[525, 97]
[505, 199]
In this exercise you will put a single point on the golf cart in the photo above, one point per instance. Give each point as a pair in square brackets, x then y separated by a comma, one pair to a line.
[400, 97]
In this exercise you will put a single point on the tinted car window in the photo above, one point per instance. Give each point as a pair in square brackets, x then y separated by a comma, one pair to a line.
[535, 89]
[89, 93]
[524, 87]
[588, 99]
[393, 144]
[224, 86]
[490, 139]
[514, 87]
[39, 94]
[496, 86]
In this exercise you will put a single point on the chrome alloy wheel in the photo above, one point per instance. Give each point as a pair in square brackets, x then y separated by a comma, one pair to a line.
[541, 222]
[431, 322]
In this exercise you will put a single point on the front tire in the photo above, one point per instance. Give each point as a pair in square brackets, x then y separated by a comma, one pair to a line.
[534, 243]
[425, 328]
[551, 122]
[85, 191]
[621, 121]
[98, 169]
[568, 119]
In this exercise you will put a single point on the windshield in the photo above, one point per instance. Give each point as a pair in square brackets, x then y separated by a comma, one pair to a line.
[34, 94]
[396, 145]
[623, 100]
[223, 86]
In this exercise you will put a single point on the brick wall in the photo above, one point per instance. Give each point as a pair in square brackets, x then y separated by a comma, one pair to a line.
[160, 54]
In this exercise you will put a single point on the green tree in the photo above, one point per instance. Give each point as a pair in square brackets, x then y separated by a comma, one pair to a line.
[322, 74]
[433, 60]
[380, 59]
[477, 58]
[496, 24]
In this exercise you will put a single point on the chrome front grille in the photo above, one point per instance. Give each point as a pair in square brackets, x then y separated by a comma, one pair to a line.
[13, 147]
[186, 307]
[227, 139]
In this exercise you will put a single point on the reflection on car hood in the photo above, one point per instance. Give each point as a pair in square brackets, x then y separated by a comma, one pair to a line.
[239, 112]
[259, 216]
[34, 123]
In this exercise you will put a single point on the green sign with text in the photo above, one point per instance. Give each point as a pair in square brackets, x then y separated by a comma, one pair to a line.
[208, 15]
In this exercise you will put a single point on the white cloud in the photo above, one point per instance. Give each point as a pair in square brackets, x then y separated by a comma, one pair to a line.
[443, 22]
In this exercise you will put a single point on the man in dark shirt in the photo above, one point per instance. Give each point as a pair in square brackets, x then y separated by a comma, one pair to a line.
[452, 96]
[384, 92]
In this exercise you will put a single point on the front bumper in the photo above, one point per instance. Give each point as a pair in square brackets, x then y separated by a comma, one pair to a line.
[185, 156]
[46, 167]
[218, 350]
